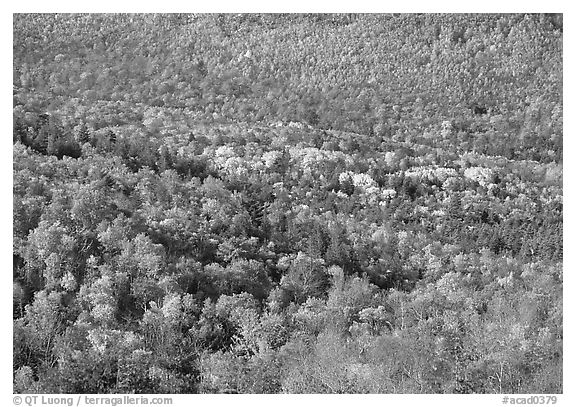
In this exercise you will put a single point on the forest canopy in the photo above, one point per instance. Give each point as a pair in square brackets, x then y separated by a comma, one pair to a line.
[300, 203]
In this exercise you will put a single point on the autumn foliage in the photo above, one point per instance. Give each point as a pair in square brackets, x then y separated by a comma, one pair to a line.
[287, 203]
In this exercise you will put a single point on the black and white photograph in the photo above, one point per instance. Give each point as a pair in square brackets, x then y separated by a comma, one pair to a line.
[287, 203]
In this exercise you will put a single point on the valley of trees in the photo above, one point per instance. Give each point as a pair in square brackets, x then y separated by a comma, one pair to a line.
[250, 203]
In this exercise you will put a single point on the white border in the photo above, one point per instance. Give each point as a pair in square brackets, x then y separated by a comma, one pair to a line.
[296, 6]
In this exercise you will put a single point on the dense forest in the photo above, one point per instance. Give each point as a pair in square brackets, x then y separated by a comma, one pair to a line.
[248, 203]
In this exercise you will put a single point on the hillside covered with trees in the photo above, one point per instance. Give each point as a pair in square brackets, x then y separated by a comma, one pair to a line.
[287, 203]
